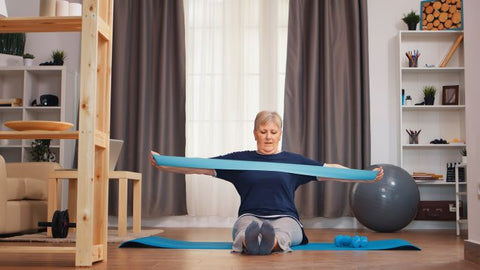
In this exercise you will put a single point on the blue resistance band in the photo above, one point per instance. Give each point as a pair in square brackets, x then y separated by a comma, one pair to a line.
[227, 164]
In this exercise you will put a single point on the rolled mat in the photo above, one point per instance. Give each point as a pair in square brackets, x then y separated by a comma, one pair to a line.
[162, 242]
[226, 164]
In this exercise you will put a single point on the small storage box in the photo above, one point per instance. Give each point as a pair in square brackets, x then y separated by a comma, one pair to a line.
[437, 210]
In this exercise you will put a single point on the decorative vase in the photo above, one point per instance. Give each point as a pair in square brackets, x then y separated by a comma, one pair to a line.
[47, 8]
[3, 9]
[412, 26]
[429, 100]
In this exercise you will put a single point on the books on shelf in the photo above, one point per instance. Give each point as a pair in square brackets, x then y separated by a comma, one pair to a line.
[426, 176]
[10, 102]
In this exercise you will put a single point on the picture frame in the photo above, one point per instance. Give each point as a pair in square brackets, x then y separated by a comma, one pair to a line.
[450, 95]
[441, 15]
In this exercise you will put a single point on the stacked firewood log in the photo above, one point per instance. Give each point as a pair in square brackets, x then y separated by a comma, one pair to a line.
[442, 15]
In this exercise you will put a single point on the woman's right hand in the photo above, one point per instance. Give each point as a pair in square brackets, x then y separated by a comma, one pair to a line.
[152, 160]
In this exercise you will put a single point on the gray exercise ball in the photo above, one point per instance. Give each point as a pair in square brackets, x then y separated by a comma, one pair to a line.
[387, 205]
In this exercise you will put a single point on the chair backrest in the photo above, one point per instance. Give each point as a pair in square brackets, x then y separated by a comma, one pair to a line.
[115, 149]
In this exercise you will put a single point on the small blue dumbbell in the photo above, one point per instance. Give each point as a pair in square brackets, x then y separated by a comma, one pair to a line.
[343, 240]
[348, 241]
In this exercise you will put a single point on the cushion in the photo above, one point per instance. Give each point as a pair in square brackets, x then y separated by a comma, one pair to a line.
[35, 189]
[15, 188]
[26, 189]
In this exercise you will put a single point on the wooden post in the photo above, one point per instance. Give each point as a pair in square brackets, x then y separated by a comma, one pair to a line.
[86, 142]
[94, 132]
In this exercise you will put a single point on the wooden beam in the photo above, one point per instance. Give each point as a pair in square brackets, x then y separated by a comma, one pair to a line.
[41, 24]
[37, 249]
[101, 139]
[38, 134]
[105, 31]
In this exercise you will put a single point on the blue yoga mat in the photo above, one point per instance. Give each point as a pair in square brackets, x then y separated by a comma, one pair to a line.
[162, 242]
[226, 164]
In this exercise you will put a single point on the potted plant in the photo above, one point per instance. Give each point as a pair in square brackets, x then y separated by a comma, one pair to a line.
[463, 152]
[58, 57]
[40, 151]
[429, 94]
[411, 19]
[28, 59]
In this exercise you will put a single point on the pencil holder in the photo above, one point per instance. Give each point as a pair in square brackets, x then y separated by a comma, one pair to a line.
[413, 62]
[412, 58]
[413, 139]
[413, 135]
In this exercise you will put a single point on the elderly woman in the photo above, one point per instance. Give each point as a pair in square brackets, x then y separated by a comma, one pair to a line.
[268, 219]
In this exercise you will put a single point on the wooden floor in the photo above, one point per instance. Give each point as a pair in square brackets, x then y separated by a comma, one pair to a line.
[441, 249]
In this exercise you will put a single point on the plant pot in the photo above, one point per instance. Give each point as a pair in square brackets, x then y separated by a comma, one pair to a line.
[27, 62]
[429, 100]
[412, 26]
[464, 159]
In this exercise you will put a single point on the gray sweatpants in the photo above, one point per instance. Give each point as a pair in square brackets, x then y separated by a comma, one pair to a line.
[287, 231]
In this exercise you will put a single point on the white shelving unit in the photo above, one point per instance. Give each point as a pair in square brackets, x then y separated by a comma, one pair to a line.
[460, 193]
[435, 121]
[28, 84]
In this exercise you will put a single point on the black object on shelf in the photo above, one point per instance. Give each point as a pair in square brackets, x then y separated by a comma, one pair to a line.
[439, 141]
[451, 172]
[48, 100]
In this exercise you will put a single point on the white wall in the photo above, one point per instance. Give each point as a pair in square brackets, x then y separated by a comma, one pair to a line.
[472, 82]
[384, 22]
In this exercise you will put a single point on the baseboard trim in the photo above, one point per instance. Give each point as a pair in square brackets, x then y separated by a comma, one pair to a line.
[472, 251]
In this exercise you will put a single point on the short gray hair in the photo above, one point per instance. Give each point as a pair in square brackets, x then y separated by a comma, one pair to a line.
[264, 117]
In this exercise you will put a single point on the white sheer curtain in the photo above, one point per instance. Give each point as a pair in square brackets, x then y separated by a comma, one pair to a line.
[236, 54]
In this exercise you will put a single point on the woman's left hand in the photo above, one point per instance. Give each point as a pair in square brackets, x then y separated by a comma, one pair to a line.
[379, 174]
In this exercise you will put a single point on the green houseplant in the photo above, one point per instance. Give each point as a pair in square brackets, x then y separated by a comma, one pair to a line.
[28, 59]
[28, 56]
[411, 19]
[463, 152]
[58, 57]
[41, 151]
[429, 92]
